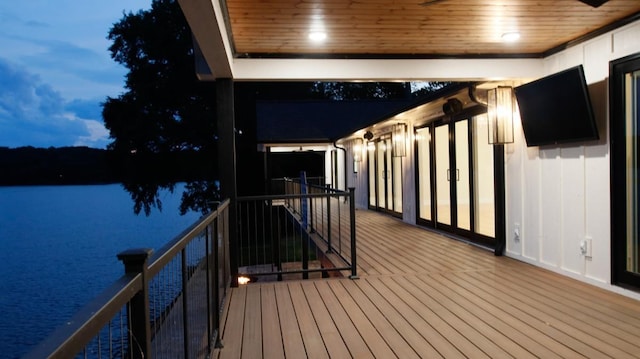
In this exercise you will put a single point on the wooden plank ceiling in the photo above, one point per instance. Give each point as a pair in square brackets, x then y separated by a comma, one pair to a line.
[416, 28]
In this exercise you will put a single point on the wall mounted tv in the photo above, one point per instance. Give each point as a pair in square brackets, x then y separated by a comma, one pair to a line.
[557, 109]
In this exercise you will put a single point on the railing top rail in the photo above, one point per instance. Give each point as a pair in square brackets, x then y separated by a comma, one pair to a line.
[292, 196]
[165, 254]
[68, 340]
[297, 180]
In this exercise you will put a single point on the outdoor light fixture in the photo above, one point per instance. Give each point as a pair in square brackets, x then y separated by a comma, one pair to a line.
[399, 139]
[500, 108]
[357, 154]
[317, 36]
[357, 150]
[510, 36]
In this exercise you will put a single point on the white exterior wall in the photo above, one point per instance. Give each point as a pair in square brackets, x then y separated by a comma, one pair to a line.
[558, 196]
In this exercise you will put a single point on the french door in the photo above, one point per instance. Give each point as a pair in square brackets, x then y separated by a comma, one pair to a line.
[385, 177]
[625, 166]
[456, 178]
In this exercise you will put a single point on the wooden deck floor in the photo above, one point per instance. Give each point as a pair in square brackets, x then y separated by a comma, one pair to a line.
[422, 295]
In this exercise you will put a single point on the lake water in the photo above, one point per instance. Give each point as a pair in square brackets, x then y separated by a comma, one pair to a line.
[58, 247]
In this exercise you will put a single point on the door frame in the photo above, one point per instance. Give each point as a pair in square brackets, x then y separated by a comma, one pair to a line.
[387, 167]
[619, 274]
[497, 243]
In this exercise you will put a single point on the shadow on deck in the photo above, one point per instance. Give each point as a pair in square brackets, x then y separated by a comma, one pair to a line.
[421, 294]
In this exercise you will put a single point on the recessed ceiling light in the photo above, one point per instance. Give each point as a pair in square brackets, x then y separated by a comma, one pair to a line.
[317, 36]
[511, 36]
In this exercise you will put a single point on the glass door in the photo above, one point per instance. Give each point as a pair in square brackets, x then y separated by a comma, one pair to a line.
[424, 186]
[443, 176]
[625, 159]
[385, 177]
[462, 179]
[455, 178]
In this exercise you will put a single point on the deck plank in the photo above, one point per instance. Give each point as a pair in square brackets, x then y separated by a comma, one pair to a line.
[272, 337]
[511, 327]
[379, 321]
[579, 330]
[252, 331]
[291, 334]
[409, 333]
[308, 328]
[423, 294]
[234, 323]
[355, 343]
[334, 343]
[369, 332]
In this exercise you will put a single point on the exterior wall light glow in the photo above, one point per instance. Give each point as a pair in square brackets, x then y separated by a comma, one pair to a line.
[500, 108]
[399, 140]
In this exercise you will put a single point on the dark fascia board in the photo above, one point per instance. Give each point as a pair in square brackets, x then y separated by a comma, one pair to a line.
[449, 90]
[395, 107]
[309, 120]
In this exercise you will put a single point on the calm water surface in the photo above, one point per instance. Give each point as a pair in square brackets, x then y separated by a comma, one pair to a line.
[58, 247]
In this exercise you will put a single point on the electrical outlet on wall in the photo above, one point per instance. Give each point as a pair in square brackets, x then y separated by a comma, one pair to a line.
[516, 231]
[585, 247]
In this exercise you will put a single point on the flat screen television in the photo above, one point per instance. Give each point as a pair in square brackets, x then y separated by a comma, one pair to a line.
[557, 109]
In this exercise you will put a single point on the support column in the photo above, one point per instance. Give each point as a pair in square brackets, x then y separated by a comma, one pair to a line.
[227, 164]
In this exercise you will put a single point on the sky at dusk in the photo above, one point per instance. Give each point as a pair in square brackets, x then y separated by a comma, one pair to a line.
[55, 70]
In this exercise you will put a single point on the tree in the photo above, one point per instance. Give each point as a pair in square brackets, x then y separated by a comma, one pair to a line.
[362, 90]
[165, 109]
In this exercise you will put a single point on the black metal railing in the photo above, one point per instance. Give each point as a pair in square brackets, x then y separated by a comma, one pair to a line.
[167, 305]
[279, 185]
[304, 230]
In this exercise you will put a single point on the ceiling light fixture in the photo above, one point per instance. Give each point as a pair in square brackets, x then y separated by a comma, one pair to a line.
[511, 36]
[317, 36]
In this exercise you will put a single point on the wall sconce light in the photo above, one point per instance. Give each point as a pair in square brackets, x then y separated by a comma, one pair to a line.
[399, 139]
[500, 108]
[357, 150]
[357, 154]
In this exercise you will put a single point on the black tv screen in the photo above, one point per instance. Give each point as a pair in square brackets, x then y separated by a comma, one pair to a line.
[557, 109]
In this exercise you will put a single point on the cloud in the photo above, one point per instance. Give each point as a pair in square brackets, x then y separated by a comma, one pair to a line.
[33, 113]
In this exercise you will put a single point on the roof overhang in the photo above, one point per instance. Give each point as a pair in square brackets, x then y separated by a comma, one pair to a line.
[207, 21]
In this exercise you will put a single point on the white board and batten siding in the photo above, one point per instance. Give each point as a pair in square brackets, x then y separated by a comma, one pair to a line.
[558, 196]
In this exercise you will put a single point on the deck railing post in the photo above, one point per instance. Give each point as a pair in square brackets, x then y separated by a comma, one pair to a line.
[352, 224]
[135, 261]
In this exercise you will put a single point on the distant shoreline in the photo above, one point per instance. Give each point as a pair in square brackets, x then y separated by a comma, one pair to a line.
[30, 166]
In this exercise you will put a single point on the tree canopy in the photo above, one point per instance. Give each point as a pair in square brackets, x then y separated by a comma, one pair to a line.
[165, 111]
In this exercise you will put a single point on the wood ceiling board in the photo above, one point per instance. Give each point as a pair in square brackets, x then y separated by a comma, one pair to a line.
[403, 27]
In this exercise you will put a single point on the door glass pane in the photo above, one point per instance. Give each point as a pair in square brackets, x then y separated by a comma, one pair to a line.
[397, 184]
[371, 157]
[632, 83]
[443, 191]
[423, 136]
[382, 174]
[461, 175]
[483, 185]
[389, 174]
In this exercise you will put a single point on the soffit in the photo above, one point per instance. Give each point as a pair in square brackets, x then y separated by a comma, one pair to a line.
[414, 28]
